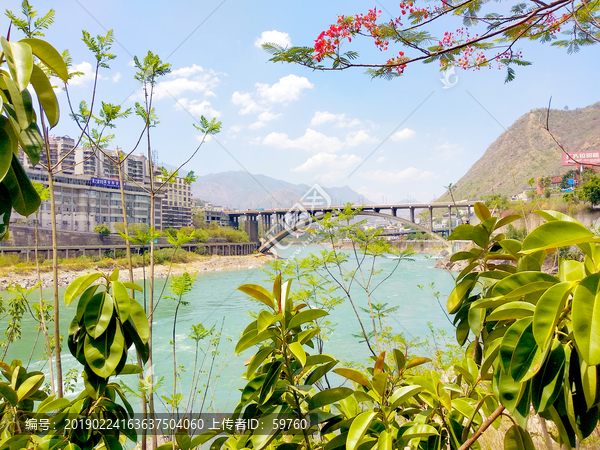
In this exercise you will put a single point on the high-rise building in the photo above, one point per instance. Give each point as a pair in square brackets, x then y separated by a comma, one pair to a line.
[87, 190]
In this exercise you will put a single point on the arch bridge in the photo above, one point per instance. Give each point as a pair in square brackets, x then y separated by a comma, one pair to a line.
[277, 224]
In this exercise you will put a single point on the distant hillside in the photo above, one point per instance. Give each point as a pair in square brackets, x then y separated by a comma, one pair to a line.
[526, 150]
[240, 190]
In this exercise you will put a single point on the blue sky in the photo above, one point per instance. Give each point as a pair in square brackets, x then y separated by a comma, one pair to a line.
[388, 140]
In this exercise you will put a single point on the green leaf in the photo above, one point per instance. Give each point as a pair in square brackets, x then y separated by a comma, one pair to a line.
[20, 61]
[131, 369]
[45, 95]
[355, 375]
[122, 300]
[9, 394]
[259, 293]
[270, 381]
[522, 283]
[512, 246]
[554, 215]
[6, 153]
[133, 286]
[318, 373]
[78, 285]
[517, 438]
[586, 319]
[264, 320]
[358, 428]
[462, 233]
[384, 442]
[526, 358]
[419, 431]
[511, 311]
[103, 355]
[98, 313]
[547, 312]
[506, 220]
[52, 405]
[476, 319]
[25, 199]
[5, 211]
[258, 359]
[510, 340]
[139, 319]
[482, 211]
[402, 394]
[399, 359]
[29, 386]
[547, 383]
[252, 338]
[460, 292]
[508, 390]
[570, 270]
[306, 316]
[417, 362]
[556, 234]
[328, 397]
[49, 56]
[298, 351]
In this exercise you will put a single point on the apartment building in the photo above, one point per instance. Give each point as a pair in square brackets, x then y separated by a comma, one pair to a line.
[87, 190]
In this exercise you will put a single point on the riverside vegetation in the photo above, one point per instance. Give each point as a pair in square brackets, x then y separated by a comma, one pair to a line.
[530, 339]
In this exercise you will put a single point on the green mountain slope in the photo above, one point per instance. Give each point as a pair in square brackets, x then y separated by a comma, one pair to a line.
[527, 150]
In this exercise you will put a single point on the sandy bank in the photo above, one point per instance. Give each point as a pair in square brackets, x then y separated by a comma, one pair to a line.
[206, 264]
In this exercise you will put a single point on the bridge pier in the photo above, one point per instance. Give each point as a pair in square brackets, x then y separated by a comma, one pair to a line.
[430, 219]
[412, 214]
[449, 220]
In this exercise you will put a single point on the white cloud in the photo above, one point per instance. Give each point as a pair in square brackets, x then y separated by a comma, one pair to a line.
[197, 108]
[285, 90]
[389, 176]
[359, 137]
[315, 141]
[263, 118]
[381, 159]
[273, 37]
[116, 77]
[311, 141]
[187, 79]
[87, 77]
[322, 117]
[448, 151]
[328, 162]
[403, 135]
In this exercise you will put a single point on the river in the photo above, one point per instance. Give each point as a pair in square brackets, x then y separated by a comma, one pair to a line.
[215, 300]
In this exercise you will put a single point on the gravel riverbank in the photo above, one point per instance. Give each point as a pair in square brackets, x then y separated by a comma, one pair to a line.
[206, 264]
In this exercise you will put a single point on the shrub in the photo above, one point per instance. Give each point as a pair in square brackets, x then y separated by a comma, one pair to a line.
[102, 229]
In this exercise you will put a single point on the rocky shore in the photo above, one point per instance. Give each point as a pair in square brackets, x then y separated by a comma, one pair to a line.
[207, 264]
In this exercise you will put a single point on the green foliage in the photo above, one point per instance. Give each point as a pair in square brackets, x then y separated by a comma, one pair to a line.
[102, 230]
[497, 202]
[518, 234]
[23, 65]
[534, 329]
[590, 192]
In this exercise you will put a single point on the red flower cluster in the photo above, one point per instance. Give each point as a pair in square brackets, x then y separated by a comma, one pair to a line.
[396, 63]
[329, 41]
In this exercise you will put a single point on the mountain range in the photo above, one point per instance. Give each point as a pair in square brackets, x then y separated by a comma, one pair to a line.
[527, 150]
[242, 190]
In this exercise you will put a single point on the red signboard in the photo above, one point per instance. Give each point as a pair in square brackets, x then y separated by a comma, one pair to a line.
[577, 158]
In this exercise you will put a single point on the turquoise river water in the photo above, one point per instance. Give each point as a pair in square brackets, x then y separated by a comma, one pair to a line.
[216, 301]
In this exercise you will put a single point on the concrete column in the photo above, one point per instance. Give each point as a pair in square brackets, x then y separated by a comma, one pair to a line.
[430, 219]
[449, 220]
[412, 214]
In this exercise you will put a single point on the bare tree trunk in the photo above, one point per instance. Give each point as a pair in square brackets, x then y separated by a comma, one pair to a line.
[54, 271]
[42, 317]
[126, 224]
[151, 305]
